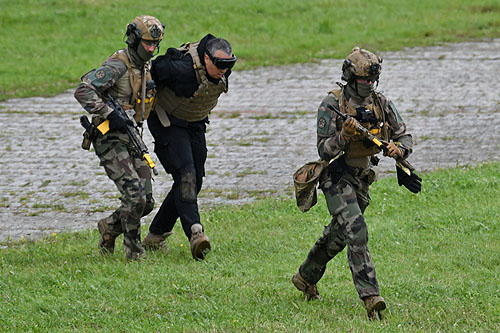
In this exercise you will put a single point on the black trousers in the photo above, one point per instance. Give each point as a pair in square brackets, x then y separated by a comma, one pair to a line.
[182, 150]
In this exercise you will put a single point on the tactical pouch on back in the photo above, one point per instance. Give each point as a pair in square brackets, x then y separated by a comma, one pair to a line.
[305, 180]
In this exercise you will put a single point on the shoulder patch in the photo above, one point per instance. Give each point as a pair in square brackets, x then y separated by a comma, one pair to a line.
[326, 118]
[100, 76]
[323, 121]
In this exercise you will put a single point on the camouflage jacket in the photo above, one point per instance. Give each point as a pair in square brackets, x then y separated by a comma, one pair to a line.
[114, 76]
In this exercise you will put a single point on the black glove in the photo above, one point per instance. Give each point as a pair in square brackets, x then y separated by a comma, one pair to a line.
[411, 182]
[117, 123]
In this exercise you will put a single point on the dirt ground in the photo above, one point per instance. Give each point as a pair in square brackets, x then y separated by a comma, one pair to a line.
[259, 134]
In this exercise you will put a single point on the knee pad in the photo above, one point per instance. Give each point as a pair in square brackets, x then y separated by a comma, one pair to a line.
[188, 185]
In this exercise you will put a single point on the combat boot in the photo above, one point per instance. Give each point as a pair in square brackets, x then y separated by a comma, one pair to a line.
[154, 242]
[107, 241]
[200, 243]
[374, 306]
[310, 291]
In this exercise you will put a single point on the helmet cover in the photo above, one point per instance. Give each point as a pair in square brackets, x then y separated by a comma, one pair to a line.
[361, 63]
[144, 27]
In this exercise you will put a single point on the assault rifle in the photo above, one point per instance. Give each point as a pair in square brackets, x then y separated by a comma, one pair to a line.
[131, 131]
[404, 164]
[409, 179]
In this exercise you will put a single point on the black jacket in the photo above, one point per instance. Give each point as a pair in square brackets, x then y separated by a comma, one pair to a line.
[175, 70]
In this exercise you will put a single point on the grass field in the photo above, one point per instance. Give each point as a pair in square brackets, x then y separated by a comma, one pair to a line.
[48, 44]
[436, 255]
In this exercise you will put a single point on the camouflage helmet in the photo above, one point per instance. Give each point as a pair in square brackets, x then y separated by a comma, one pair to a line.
[361, 63]
[144, 27]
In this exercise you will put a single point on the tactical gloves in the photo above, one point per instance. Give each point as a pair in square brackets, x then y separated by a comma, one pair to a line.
[117, 123]
[411, 182]
[392, 150]
[349, 127]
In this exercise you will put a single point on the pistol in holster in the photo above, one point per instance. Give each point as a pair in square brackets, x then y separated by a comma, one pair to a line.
[89, 134]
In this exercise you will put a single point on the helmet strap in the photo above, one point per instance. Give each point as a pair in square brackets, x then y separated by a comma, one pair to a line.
[157, 49]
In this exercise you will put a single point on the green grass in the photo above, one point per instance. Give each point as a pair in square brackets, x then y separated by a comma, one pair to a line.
[436, 255]
[48, 44]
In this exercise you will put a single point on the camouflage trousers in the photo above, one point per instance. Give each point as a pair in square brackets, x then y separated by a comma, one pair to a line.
[346, 200]
[125, 167]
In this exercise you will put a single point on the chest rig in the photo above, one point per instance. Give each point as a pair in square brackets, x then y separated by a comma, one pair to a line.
[132, 86]
[370, 116]
[204, 99]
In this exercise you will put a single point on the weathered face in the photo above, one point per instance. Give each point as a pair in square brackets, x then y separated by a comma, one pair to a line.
[212, 70]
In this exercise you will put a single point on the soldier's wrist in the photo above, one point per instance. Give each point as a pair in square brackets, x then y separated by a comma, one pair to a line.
[346, 135]
[105, 111]
[402, 148]
[342, 139]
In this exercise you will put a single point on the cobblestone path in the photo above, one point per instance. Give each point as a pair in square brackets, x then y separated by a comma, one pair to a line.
[260, 133]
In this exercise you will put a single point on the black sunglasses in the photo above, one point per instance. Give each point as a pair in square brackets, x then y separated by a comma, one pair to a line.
[222, 63]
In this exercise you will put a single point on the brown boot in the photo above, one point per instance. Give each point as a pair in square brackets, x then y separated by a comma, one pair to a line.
[200, 243]
[154, 242]
[107, 241]
[374, 306]
[310, 291]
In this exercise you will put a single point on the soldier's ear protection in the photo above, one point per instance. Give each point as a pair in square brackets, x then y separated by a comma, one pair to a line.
[346, 70]
[133, 34]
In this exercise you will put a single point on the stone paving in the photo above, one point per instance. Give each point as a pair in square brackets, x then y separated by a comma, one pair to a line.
[259, 134]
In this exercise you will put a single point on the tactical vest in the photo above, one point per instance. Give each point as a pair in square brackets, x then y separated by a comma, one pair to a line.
[198, 106]
[357, 147]
[131, 86]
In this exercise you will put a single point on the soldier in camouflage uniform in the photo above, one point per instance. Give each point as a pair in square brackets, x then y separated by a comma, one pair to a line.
[125, 76]
[190, 80]
[350, 172]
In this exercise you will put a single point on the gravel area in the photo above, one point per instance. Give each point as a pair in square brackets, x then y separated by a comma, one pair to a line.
[260, 133]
